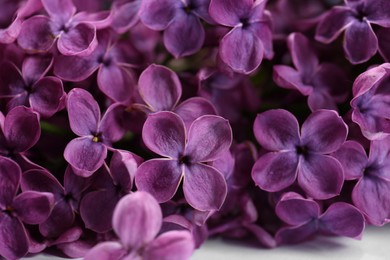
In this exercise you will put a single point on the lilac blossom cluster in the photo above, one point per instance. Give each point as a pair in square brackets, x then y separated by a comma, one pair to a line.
[137, 129]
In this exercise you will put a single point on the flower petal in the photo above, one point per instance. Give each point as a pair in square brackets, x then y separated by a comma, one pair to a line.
[13, 238]
[287, 77]
[159, 87]
[294, 235]
[123, 166]
[79, 40]
[33, 207]
[40, 180]
[60, 10]
[112, 126]
[230, 12]
[164, 134]
[75, 68]
[60, 220]
[172, 245]
[157, 15]
[208, 138]
[320, 176]
[204, 187]
[276, 130]
[10, 175]
[138, 212]
[159, 177]
[275, 171]
[106, 251]
[35, 67]
[125, 15]
[303, 55]
[324, 131]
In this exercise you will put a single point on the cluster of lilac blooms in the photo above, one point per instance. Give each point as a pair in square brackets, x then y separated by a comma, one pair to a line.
[137, 129]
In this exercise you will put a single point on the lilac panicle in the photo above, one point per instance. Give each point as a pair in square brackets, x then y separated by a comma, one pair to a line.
[301, 155]
[136, 221]
[86, 153]
[304, 219]
[355, 18]
[185, 155]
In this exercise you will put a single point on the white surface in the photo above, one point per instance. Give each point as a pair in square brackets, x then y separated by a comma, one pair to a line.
[375, 245]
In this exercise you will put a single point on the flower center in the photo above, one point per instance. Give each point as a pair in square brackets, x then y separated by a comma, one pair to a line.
[184, 159]
[105, 61]
[97, 138]
[302, 150]
[245, 22]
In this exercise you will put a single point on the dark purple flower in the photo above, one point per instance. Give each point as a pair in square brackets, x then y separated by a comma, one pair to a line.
[183, 31]
[305, 219]
[243, 48]
[371, 102]
[28, 207]
[300, 154]
[206, 140]
[86, 153]
[370, 193]
[137, 220]
[355, 18]
[310, 77]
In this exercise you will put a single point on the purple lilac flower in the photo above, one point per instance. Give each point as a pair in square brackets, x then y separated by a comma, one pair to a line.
[310, 77]
[371, 102]
[355, 18]
[125, 14]
[137, 220]
[301, 155]
[370, 193]
[86, 153]
[183, 31]
[304, 219]
[250, 38]
[186, 153]
[28, 207]
[30, 86]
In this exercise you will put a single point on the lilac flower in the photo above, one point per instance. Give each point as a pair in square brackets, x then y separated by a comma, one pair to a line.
[110, 59]
[28, 207]
[76, 35]
[311, 78]
[301, 154]
[355, 18]
[371, 103]
[137, 220]
[305, 220]
[111, 185]
[125, 14]
[86, 153]
[370, 193]
[30, 87]
[183, 31]
[66, 198]
[208, 137]
[243, 48]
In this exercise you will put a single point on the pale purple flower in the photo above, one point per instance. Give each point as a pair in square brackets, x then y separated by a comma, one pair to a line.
[304, 219]
[137, 220]
[310, 77]
[250, 38]
[28, 207]
[86, 153]
[355, 18]
[208, 137]
[300, 154]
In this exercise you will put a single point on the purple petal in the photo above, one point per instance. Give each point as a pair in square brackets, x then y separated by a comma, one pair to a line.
[75, 68]
[36, 34]
[263, 30]
[324, 131]
[287, 77]
[85, 155]
[33, 207]
[35, 67]
[116, 82]
[378, 13]
[303, 55]
[47, 96]
[60, 220]
[208, 138]
[383, 35]
[138, 212]
[123, 166]
[111, 126]
[275, 171]
[320, 176]
[106, 251]
[296, 210]
[159, 177]
[79, 40]
[172, 245]
[164, 134]
[74, 184]
[40, 180]
[10, 175]
[294, 235]
[264, 238]
[21, 129]
[184, 36]
[13, 238]
[343, 219]
[276, 130]
[241, 50]
[83, 112]
[11, 79]
[60, 10]
[334, 23]
[204, 187]
[353, 158]
[159, 87]
[230, 12]
[158, 15]
[125, 16]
